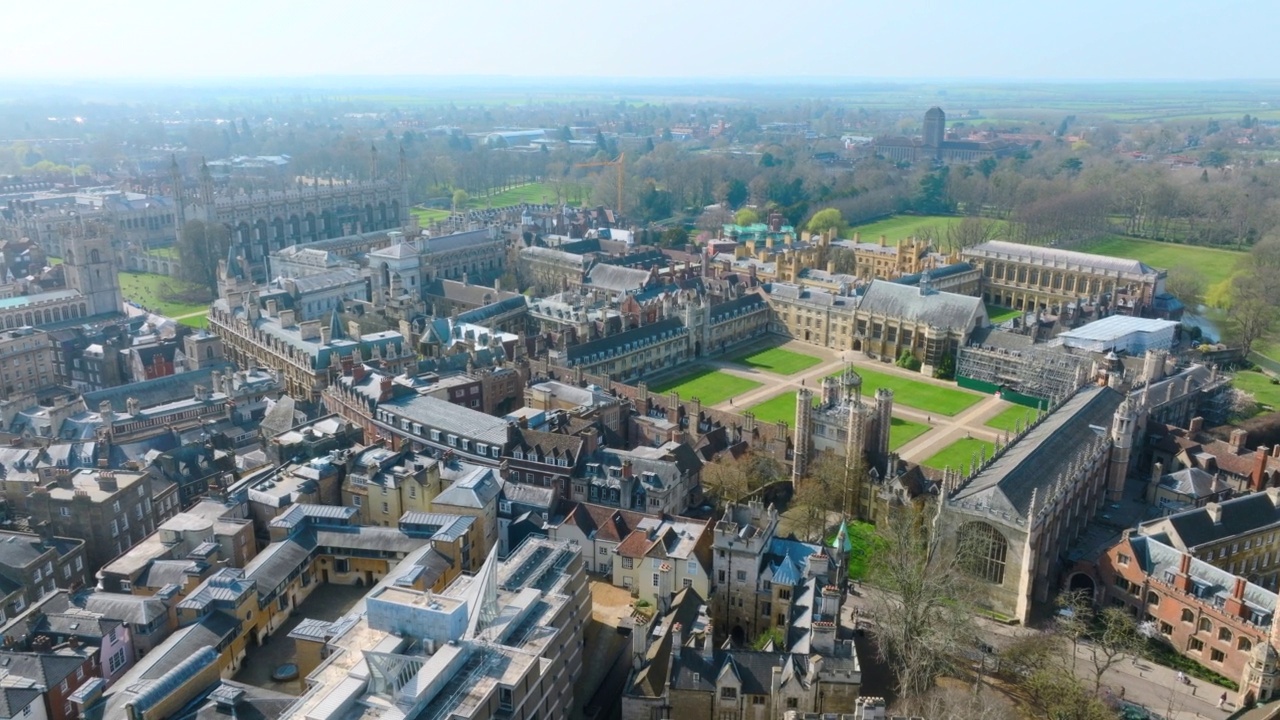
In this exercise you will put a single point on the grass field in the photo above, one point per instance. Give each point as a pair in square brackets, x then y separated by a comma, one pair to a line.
[196, 321]
[900, 227]
[53, 260]
[426, 216]
[778, 360]
[1259, 385]
[1215, 264]
[999, 314]
[1009, 417]
[532, 193]
[862, 543]
[151, 291]
[168, 253]
[902, 432]
[780, 407]
[709, 385]
[919, 395]
[958, 454]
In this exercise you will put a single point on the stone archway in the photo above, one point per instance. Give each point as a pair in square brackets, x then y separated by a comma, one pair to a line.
[1082, 582]
[738, 636]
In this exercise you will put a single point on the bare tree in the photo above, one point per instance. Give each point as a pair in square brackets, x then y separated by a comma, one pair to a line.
[1187, 284]
[923, 615]
[971, 231]
[1114, 637]
[954, 703]
[1252, 311]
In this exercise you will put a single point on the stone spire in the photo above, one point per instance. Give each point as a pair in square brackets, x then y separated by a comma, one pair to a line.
[335, 327]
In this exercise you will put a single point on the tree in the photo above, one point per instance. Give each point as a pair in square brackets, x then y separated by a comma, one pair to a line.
[946, 369]
[987, 165]
[1252, 311]
[460, 198]
[932, 198]
[736, 193]
[201, 246]
[908, 361]
[1072, 165]
[923, 615]
[731, 479]
[676, 237]
[1187, 284]
[824, 220]
[971, 231]
[746, 216]
[1114, 636]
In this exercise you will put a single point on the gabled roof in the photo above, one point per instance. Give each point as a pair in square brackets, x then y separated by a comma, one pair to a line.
[936, 309]
[1192, 528]
[1193, 482]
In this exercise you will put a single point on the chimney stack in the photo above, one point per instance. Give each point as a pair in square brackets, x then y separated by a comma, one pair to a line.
[1238, 439]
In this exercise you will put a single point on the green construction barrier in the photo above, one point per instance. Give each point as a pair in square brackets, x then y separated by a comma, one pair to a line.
[1012, 396]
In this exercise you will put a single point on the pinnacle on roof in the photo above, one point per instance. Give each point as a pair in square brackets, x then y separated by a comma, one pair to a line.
[841, 541]
[335, 326]
[233, 264]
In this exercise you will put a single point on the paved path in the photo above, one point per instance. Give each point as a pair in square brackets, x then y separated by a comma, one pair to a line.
[970, 422]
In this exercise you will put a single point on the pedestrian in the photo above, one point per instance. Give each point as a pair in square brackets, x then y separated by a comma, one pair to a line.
[1222, 700]
[1182, 679]
[1121, 692]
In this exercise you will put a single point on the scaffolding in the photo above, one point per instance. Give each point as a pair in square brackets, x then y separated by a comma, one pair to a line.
[1039, 372]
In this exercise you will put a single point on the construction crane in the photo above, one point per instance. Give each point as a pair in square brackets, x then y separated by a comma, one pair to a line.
[610, 163]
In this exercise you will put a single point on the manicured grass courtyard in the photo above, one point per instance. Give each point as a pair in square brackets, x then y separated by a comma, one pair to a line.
[958, 454]
[709, 385]
[779, 407]
[863, 541]
[1258, 384]
[902, 432]
[1009, 417]
[919, 395]
[532, 193]
[778, 360]
[999, 313]
[152, 291]
[426, 216]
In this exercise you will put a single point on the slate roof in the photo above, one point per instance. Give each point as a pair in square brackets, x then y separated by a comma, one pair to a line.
[1193, 482]
[937, 309]
[483, 313]
[13, 700]
[609, 524]
[457, 241]
[46, 668]
[442, 414]
[19, 550]
[1156, 557]
[467, 294]
[442, 527]
[1195, 527]
[1055, 256]
[617, 278]
[475, 490]
[652, 678]
[549, 446]
[730, 309]
[132, 609]
[530, 496]
[1032, 463]
[167, 572]
[643, 335]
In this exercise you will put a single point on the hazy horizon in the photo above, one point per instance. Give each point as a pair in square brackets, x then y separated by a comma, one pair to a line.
[824, 41]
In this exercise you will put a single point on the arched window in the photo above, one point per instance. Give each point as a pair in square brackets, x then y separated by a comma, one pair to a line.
[1188, 616]
[93, 256]
[1224, 634]
[208, 352]
[1153, 599]
[982, 551]
[1205, 625]
[1244, 644]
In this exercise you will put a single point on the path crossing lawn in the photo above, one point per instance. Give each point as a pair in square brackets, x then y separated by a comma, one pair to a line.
[902, 432]
[931, 398]
[999, 313]
[1008, 418]
[150, 291]
[709, 385]
[958, 454]
[777, 360]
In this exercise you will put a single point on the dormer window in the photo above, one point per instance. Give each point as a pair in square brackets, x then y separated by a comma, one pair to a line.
[518, 453]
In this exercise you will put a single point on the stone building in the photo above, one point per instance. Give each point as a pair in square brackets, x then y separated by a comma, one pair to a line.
[33, 566]
[26, 362]
[934, 147]
[679, 671]
[1013, 515]
[758, 575]
[1030, 277]
[884, 320]
[841, 422]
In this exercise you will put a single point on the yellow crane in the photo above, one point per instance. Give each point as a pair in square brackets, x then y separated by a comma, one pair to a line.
[610, 163]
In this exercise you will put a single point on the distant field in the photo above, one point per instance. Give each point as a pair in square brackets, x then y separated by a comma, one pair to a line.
[778, 360]
[532, 193]
[151, 291]
[958, 454]
[900, 227]
[1215, 264]
[709, 385]
[920, 395]
[999, 314]
[1009, 417]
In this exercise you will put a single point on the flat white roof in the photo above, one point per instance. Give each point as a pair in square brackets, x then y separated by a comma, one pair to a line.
[1117, 326]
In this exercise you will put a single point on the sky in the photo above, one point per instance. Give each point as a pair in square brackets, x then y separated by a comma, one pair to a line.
[659, 39]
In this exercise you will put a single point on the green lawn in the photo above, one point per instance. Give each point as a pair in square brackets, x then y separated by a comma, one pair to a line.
[168, 253]
[919, 395]
[1259, 385]
[533, 193]
[777, 360]
[780, 407]
[902, 432]
[862, 543]
[54, 260]
[709, 385]
[1215, 264]
[900, 227]
[958, 454]
[1009, 417]
[999, 313]
[427, 216]
[151, 291]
